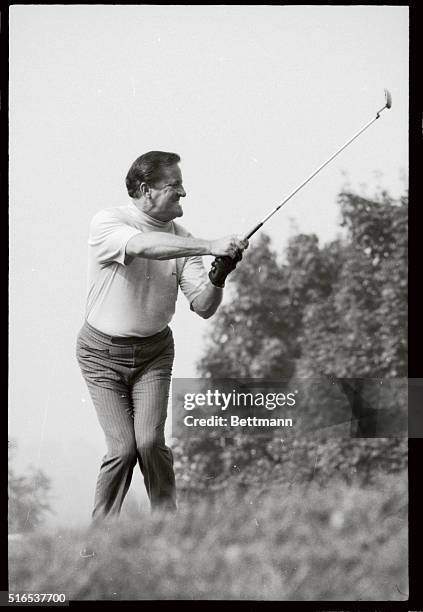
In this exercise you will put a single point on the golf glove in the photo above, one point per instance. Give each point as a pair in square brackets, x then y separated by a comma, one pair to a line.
[221, 267]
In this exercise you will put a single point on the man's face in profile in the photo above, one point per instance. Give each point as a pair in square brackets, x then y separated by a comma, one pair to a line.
[165, 195]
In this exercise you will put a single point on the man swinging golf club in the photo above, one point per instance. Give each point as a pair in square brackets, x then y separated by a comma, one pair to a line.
[138, 258]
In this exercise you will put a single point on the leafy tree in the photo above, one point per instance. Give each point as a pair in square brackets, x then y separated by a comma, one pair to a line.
[360, 329]
[334, 310]
[341, 307]
[29, 497]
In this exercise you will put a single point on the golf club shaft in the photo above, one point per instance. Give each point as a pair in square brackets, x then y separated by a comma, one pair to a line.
[263, 221]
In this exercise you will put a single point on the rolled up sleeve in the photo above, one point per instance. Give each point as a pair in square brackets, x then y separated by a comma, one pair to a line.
[193, 278]
[109, 236]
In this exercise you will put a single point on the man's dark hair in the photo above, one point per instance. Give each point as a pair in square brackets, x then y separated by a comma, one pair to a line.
[148, 169]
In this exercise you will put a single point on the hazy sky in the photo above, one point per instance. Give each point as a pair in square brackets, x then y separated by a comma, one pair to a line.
[253, 98]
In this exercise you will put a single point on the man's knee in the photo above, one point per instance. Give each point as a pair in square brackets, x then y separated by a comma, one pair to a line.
[148, 445]
[126, 454]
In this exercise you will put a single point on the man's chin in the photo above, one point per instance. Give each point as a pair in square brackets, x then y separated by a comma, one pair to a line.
[175, 212]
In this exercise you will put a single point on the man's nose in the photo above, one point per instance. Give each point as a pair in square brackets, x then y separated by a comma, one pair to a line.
[182, 192]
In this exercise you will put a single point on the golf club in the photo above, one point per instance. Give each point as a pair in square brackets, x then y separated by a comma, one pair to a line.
[388, 104]
[222, 265]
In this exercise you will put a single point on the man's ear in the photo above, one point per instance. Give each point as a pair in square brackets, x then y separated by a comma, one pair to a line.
[144, 190]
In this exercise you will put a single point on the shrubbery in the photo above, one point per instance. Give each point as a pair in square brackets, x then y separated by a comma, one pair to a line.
[215, 464]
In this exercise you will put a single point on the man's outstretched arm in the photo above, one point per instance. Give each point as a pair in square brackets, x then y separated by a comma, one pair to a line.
[161, 245]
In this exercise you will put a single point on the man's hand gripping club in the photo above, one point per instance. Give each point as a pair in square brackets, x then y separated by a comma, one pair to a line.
[229, 252]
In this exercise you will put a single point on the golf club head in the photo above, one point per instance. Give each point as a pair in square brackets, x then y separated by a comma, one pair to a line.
[388, 99]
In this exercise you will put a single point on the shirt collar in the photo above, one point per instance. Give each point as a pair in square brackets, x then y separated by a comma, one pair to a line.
[145, 219]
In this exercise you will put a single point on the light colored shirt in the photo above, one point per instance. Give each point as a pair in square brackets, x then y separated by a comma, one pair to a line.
[137, 298]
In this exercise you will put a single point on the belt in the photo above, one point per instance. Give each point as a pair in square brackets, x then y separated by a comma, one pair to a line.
[123, 340]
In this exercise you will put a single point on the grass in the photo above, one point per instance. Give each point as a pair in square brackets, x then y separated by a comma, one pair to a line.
[301, 542]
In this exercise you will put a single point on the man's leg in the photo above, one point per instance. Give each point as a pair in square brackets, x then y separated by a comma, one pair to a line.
[113, 410]
[115, 415]
[150, 393]
[105, 379]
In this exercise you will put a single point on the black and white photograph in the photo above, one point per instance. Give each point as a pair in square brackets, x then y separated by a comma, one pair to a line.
[208, 303]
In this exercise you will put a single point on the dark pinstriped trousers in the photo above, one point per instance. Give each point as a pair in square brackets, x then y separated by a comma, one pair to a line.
[128, 380]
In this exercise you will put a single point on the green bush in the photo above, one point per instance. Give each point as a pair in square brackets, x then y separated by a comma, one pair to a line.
[216, 463]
